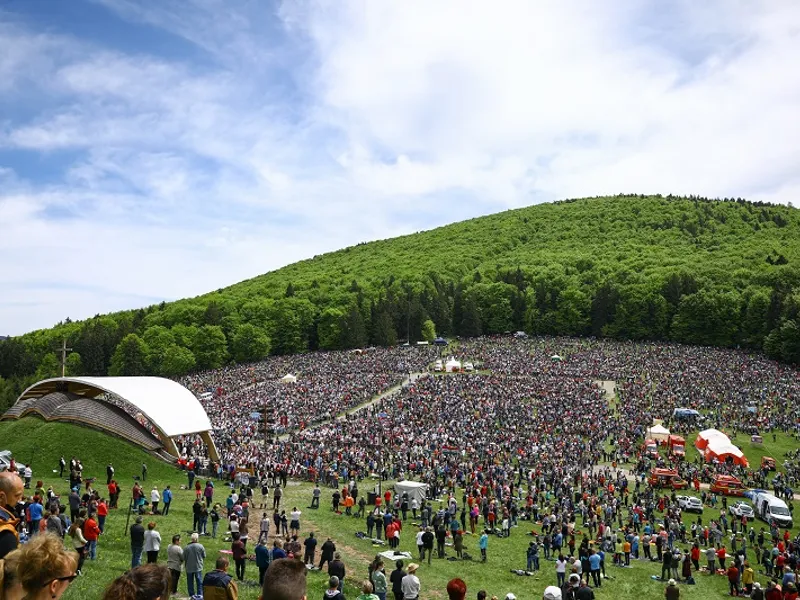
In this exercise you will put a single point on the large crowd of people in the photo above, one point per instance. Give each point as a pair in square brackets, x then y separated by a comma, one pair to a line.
[533, 435]
[530, 435]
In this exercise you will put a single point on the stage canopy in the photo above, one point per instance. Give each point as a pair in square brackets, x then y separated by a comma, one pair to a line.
[171, 408]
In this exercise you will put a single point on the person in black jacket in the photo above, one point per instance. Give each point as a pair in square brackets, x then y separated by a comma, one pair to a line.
[396, 579]
[427, 543]
[336, 568]
[441, 536]
[137, 542]
[328, 549]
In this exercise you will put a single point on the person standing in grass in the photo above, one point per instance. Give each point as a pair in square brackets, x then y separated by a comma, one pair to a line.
[410, 585]
[91, 532]
[152, 542]
[239, 555]
[379, 581]
[78, 542]
[175, 561]
[194, 556]
[166, 498]
[137, 542]
[483, 544]
[102, 513]
[396, 579]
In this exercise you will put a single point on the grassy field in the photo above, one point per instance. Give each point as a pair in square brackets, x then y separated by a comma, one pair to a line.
[42, 444]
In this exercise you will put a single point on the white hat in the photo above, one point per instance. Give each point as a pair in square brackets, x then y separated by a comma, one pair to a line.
[671, 582]
[551, 592]
[510, 596]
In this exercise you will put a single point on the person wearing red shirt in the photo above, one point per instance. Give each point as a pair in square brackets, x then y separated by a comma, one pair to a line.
[721, 554]
[113, 494]
[91, 532]
[239, 555]
[773, 592]
[102, 513]
[695, 556]
[733, 580]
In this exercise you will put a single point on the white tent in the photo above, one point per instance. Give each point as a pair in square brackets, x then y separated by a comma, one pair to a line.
[414, 489]
[658, 432]
[452, 365]
[288, 378]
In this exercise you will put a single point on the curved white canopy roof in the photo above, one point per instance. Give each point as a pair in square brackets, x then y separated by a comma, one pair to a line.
[167, 404]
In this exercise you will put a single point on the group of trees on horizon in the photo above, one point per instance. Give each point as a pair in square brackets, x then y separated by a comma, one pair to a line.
[691, 270]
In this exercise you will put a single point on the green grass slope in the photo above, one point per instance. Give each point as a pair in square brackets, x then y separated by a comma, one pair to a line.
[41, 444]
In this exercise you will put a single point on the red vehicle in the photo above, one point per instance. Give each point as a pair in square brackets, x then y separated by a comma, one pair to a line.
[727, 485]
[676, 446]
[669, 478]
[650, 449]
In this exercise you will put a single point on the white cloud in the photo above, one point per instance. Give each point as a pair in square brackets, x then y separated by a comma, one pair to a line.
[335, 123]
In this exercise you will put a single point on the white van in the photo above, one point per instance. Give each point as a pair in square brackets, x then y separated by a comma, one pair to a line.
[437, 366]
[771, 508]
[206, 396]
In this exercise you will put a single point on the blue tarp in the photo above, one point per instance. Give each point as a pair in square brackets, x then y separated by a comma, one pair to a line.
[684, 413]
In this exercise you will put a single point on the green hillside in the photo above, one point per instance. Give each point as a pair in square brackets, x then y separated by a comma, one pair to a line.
[40, 445]
[699, 271]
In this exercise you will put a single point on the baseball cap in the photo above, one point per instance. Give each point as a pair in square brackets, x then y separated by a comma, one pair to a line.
[510, 596]
[551, 592]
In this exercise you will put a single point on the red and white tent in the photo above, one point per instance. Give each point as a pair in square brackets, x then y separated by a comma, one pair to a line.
[723, 452]
[704, 438]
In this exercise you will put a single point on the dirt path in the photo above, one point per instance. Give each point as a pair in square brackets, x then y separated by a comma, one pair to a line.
[412, 377]
[610, 388]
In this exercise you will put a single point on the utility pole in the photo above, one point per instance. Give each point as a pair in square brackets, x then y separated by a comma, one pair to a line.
[63, 350]
[269, 419]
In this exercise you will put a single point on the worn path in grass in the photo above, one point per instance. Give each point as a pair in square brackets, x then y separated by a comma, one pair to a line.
[388, 393]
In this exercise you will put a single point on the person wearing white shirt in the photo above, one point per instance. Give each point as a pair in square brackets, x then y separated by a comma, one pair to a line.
[152, 542]
[294, 522]
[154, 499]
[410, 584]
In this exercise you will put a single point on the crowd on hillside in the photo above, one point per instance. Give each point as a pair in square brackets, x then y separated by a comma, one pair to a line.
[523, 409]
[531, 440]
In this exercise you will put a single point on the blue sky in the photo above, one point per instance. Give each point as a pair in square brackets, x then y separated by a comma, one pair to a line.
[158, 150]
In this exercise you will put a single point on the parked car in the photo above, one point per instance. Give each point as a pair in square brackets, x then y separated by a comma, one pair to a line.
[5, 461]
[469, 367]
[741, 509]
[667, 478]
[690, 504]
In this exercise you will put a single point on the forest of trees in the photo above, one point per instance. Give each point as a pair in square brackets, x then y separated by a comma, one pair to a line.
[699, 271]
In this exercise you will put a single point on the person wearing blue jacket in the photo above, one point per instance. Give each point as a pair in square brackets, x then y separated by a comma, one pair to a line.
[483, 544]
[35, 511]
[166, 498]
[263, 559]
